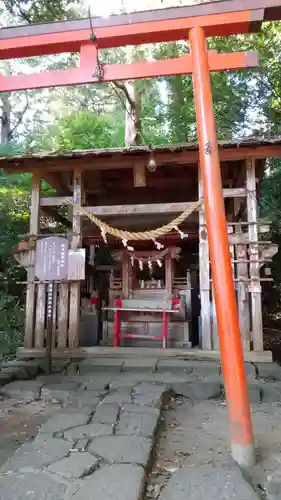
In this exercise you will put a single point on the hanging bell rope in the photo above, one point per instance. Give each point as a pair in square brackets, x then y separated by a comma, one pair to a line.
[127, 235]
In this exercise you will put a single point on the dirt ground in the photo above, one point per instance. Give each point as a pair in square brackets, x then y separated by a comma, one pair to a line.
[19, 422]
[197, 433]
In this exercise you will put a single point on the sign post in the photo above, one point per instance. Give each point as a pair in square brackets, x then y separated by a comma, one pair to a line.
[49, 324]
[51, 265]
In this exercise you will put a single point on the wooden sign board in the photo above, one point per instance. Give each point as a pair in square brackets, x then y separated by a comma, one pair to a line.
[51, 262]
[76, 264]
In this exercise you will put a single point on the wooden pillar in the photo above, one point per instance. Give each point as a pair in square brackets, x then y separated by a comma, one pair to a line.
[255, 288]
[30, 292]
[204, 275]
[242, 292]
[188, 312]
[125, 274]
[214, 322]
[169, 274]
[75, 287]
[40, 316]
[63, 302]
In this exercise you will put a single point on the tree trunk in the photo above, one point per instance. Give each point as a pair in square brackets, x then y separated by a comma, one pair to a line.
[5, 119]
[132, 116]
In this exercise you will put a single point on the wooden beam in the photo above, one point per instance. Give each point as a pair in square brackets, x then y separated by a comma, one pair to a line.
[55, 181]
[255, 287]
[139, 171]
[234, 193]
[75, 287]
[159, 208]
[54, 201]
[30, 292]
[94, 161]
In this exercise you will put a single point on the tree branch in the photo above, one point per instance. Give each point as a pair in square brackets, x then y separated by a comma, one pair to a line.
[123, 87]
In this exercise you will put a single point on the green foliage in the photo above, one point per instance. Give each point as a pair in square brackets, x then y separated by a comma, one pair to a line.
[80, 130]
[43, 11]
[14, 219]
[11, 325]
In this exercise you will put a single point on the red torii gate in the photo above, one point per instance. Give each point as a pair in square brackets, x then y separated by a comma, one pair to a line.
[221, 18]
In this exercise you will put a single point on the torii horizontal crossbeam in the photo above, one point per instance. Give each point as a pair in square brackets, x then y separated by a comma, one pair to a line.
[144, 27]
[85, 74]
[51, 38]
[272, 11]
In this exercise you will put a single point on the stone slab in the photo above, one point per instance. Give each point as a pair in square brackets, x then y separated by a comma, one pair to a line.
[72, 369]
[106, 414]
[29, 366]
[26, 390]
[273, 488]
[148, 394]
[76, 466]
[98, 382]
[134, 408]
[198, 391]
[271, 392]
[39, 453]
[82, 444]
[119, 396]
[250, 370]
[5, 378]
[88, 431]
[140, 365]
[63, 421]
[60, 393]
[107, 365]
[254, 393]
[269, 371]
[204, 369]
[113, 482]
[174, 365]
[129, 379]
[137, 424]
[83, 399]
[122, 449]
[54, 378]
[31, 486]
[213, 481]
[16, 372]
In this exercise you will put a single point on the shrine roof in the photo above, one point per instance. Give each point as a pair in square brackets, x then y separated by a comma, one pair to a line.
[124, 157]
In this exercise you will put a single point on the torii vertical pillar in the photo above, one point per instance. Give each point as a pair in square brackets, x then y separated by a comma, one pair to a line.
[242, 443]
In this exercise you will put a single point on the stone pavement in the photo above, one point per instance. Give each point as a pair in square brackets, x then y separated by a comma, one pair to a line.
[193, 378]
[101, 441]
[100, 444]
